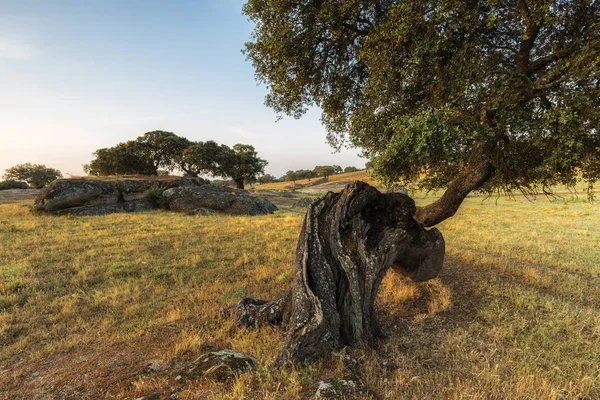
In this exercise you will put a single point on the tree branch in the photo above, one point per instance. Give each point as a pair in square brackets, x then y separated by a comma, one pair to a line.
[531, 31]
[477, 172]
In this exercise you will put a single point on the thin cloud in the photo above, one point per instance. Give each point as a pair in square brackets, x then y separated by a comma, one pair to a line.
[14, 50]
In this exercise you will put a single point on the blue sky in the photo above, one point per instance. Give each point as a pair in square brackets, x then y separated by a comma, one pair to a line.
[79, 75]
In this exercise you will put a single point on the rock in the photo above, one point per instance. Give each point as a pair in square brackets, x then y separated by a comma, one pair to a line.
[220, 365]
[197, 199]
[152, 368]
[303, 202]
[390, 366]
[103, 196]
[135, 189]
[66, 193]
[349, 387]
[151, 396]
[398, 189]
[132, 206]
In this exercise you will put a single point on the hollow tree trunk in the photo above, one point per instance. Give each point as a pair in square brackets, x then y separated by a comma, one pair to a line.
[347, 243]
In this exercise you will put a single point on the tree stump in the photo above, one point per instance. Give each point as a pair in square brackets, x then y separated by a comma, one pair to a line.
[348, 242]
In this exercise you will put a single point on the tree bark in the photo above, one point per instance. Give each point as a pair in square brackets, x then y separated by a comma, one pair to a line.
[348, 242]
[239, 183]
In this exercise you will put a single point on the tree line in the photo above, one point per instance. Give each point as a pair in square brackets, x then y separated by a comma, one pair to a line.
[160, 152]
[22, 176]
[322, 171]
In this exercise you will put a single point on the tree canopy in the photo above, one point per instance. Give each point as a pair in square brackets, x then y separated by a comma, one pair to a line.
[243, 165]
[146, 155]
[159, 150]
[126, 158]
[464, 95]
[240, 163]
[34, 174]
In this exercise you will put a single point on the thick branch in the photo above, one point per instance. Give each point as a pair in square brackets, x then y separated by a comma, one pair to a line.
[531, 31]
[478, 171]
[542, 62]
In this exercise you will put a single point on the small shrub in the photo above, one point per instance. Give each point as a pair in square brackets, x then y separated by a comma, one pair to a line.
[156, 197]
[5, 185]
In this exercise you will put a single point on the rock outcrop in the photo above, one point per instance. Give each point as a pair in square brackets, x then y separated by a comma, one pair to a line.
[219, 365]
[303, 202]
[203, 199]
[102, 196]
[349, 387]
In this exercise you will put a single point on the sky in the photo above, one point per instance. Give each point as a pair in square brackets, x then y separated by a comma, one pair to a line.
[79, 75]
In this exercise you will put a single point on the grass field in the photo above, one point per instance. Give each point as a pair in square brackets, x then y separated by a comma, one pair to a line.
[87, 302]
[363, 175]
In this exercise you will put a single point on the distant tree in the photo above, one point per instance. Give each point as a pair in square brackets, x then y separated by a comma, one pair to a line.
[267, 178]
[205, 158]
[337, 169]
[6, 185]
[350, 169]
[324, 170]
[35, 175]
[305, 174]
[164, 150]
[291, 176]
[369, 165]
[240, 163]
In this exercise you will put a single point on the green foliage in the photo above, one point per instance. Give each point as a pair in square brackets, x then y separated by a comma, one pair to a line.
[291, 176]
[124, 159]
[153, 153]
[156, 197]
[325, 170]
[419, 85]
[160, 152]
[350, 169]
[240, 163]
[267, 178]
[35, 175]
[5, 185]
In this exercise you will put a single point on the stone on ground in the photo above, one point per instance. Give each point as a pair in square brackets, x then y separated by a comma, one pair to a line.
[220, 365]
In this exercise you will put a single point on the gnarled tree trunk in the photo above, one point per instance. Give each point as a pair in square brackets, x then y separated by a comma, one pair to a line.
[348, 242]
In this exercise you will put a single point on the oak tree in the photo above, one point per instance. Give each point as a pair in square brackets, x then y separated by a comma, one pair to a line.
[147, 155]
[240, 163]
[35, 175]
[463, 95]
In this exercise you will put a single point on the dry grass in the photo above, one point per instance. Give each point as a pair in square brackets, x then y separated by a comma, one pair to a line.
[87, 302]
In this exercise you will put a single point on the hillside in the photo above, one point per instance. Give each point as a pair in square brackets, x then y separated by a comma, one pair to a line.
[335, 182]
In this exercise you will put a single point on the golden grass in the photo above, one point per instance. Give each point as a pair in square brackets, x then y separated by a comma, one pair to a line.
[87, 302]
[363, 175]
